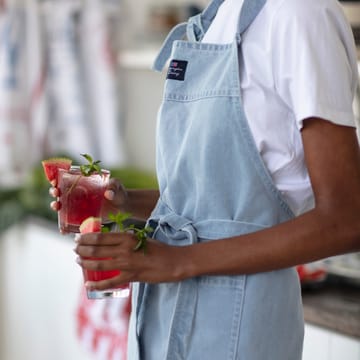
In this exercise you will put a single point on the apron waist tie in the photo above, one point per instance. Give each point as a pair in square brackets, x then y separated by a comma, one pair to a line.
[176, 227]
[185, 231]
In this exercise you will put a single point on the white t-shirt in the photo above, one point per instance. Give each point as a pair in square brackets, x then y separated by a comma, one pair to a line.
[298, 60]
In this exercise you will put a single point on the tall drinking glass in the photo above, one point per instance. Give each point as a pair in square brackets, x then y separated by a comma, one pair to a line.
[80, 196]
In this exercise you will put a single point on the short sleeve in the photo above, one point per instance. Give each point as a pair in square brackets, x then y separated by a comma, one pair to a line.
[314, 60]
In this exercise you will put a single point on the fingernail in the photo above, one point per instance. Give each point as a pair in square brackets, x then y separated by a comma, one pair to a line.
[77, 237]
[89, 285]
[110, 194]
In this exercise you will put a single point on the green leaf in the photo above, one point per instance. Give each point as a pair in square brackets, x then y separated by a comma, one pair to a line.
[88, 158]
[140, 234]
[91, 167]
[105, 229]
[112, 217]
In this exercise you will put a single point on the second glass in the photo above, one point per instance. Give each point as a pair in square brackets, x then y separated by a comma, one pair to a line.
[120, 292]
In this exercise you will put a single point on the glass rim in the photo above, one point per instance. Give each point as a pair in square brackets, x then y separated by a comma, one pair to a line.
[77, 167]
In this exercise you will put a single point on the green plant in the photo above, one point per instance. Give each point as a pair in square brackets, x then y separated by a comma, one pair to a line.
[141, 234]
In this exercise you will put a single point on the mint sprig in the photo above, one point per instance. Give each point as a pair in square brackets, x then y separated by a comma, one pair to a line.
[141, 234]
[92, 166]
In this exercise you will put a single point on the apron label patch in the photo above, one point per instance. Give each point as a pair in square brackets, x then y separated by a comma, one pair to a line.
[177, 70]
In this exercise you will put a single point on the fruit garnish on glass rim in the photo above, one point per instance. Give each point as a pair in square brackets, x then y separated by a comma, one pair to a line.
[51, 167]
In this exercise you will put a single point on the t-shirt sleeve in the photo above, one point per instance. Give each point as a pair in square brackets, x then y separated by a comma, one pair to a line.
[314, 60]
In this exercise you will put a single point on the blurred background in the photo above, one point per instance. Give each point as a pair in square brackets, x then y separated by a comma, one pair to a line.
[75, 78]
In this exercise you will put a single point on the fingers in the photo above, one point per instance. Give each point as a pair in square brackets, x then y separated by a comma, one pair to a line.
[160, 263]
[96, 253]
[98, 245]
[102, 264]
[103, 239]
[54, 192]
[55, 205]
[109, 194]
[114, 282]
[98, 258]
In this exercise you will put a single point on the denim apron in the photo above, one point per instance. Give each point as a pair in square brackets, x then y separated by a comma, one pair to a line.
[213, 185]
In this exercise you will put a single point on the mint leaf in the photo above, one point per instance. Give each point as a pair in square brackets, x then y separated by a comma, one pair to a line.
[92, 166]
[88, 158]
[140, 234]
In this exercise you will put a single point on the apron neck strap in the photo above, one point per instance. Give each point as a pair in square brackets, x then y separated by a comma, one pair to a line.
[178, 32]
[194, 29]
[197, 26]
[249, 11]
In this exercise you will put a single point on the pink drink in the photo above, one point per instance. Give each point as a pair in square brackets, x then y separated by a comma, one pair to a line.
[80, 196]
[118, 292]
[90, 275]
[93, 275]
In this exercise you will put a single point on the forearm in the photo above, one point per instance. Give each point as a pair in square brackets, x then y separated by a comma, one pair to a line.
[310, 237]
[140, 203]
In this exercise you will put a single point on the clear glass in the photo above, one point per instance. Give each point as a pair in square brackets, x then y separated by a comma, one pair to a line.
[121, 292]
[80, 197]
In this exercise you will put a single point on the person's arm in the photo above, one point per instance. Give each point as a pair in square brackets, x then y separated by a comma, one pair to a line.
[140, 203]
[331, 228]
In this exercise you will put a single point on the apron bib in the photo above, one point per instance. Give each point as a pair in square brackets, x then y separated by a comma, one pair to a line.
[213, 185]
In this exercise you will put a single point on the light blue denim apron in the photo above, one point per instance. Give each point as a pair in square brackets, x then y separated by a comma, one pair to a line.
[213, 185]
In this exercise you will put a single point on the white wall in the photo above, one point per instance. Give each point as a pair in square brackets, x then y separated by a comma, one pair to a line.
[138, 12]
[135, 16]
[142, 93]
[141, 88]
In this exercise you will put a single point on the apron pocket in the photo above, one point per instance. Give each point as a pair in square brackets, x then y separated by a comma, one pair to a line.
[218, 314]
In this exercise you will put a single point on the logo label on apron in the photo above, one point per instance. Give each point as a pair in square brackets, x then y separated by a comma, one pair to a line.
[177, 70]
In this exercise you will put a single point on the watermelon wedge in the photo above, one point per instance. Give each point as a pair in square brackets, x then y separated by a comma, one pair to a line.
[51, 167]
[91, 224]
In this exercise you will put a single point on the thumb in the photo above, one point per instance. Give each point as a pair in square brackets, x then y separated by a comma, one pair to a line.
[115, 192]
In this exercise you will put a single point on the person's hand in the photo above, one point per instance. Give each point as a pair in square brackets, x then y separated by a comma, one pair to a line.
[55, 193]
[115, 199]
[115, 251]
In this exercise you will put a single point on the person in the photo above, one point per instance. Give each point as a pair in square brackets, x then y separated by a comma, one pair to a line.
[258, 166]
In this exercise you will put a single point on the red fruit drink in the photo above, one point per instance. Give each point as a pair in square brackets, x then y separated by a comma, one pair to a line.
[93, 224]
[92, 275]
[80, 197]
[118, 292]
